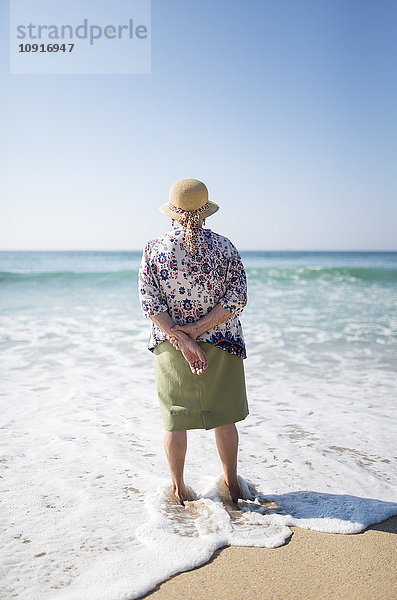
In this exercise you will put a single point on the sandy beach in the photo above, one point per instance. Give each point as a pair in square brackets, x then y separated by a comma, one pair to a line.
[311, 565]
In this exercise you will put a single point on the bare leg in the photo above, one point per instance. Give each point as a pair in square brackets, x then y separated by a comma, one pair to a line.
[175, 444]
[227, 443]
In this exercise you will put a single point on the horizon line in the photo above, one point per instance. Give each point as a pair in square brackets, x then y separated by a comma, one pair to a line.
[240, 250]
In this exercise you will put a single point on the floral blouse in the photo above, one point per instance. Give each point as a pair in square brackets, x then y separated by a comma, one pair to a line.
[190, 285]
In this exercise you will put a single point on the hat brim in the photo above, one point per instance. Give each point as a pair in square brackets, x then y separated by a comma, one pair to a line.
[213, 207]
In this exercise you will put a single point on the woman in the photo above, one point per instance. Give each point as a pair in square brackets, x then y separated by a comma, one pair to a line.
[192, 285]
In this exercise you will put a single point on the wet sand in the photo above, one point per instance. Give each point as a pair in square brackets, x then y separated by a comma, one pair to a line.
[311, 566]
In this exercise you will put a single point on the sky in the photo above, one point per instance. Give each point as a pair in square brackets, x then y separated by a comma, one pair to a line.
[285, 109]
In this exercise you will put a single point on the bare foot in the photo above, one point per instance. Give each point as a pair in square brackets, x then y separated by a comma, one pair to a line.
[235, 491]
[183, 493]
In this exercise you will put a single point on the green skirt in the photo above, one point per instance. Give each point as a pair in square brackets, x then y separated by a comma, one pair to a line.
[188, 401]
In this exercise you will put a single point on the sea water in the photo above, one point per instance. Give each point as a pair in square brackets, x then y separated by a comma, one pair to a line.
[87, 509]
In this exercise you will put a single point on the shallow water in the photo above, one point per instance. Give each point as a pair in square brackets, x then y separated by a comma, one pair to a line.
[87, 509]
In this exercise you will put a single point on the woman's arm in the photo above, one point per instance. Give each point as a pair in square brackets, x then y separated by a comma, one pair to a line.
[216, 316]
[164, 321]
[195, 356]
[155, 307]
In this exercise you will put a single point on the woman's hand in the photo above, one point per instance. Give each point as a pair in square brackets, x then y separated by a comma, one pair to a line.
[191, 351]
[195, 356]
[190, 329]
[174, 341]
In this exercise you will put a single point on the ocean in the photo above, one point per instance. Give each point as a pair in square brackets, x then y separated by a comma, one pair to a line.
[87, 509]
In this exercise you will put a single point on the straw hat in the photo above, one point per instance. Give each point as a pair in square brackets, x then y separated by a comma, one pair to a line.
[189, 195]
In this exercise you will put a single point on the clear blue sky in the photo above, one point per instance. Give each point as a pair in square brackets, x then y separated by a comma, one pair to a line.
[285, 109]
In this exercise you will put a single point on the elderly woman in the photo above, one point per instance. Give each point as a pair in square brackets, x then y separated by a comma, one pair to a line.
[192, 285]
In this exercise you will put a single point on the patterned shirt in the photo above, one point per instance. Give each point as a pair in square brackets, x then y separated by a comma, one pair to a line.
[190, 285]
